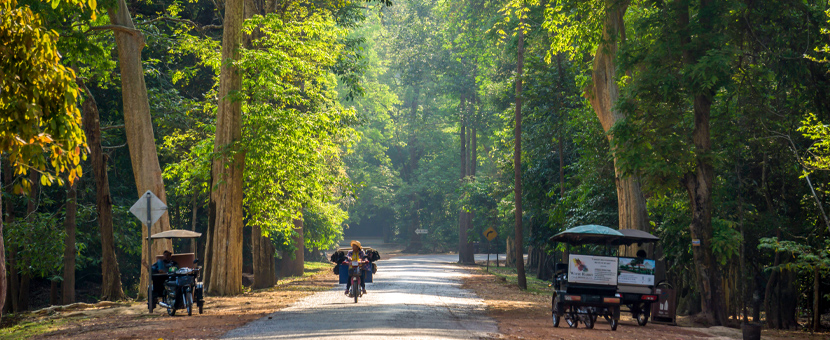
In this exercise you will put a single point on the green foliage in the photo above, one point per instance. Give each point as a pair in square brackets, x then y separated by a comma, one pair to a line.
[41, 125]
[37, 243]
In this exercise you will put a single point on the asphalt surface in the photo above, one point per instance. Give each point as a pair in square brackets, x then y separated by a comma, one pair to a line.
[412, 297]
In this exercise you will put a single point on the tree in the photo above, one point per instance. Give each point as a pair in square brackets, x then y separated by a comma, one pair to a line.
[38, 103]
[139, 125]
[224, 249]
[110, 274]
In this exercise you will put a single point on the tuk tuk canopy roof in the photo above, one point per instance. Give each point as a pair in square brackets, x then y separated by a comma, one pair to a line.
[631, 236]
[588, 234]
[176, 233]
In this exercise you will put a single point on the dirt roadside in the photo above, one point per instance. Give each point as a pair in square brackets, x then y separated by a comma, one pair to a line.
[526, 315]
[131, 320]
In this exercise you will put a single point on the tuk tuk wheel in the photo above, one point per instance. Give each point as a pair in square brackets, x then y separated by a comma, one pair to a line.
[555, 319]
[614, 324]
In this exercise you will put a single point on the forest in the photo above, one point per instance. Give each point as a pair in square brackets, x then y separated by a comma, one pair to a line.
[274, 126]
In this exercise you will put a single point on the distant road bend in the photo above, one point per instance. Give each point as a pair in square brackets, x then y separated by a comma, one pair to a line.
[413, 297]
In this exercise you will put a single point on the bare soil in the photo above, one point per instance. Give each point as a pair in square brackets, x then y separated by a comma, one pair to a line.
[131, 321]
[527, 315]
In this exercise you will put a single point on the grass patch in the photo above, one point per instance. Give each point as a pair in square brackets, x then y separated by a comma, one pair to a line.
[534, 285]
[28, 329]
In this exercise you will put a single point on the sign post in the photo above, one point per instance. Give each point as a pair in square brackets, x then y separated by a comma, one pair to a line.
[149, 213]
[490, 234]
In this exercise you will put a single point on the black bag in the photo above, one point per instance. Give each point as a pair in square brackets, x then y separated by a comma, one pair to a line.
[374, 268]
[336, 269]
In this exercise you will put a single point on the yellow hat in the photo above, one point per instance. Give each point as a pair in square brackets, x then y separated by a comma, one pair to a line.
[356, 243]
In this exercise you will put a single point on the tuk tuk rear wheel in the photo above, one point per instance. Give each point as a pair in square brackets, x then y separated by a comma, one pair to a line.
[614, 324]
[642, 319]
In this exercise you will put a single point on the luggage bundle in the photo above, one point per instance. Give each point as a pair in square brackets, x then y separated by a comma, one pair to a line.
[340, 255]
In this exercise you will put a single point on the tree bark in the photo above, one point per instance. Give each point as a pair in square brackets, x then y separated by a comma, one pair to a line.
[517, 162]
[4, 282]
[294, 267]
[13, 280]
[225, 275]
[69, 250]
[263, 260]
[138, 126]
[465, 251]
[110, 274]
[631, 204]
[31, 208]
[816, 298]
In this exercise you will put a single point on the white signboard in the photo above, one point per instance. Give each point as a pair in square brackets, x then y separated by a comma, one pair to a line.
[598, 270]
[636, 271]
[420, 231]
[148, 201]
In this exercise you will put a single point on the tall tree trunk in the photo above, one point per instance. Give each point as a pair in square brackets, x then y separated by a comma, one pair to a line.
[699, 183]
[816, 298]
[13, 279]
[225, 275]
[771, 283]
[69, 249]
[517, 162]
[4, 282]
[32, 205]
[138, 126]
[631, 205]
[464, 249]
[110, 274]
[415, 243]
[294, 267]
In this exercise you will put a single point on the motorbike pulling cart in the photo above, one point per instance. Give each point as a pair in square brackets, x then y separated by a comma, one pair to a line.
[585, 287]
[179, 287]
[635, 283]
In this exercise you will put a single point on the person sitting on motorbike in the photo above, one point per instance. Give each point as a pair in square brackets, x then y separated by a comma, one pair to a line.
[164, 264]
[357, 254]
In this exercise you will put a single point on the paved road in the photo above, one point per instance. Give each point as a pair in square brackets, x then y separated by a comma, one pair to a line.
[413, 297]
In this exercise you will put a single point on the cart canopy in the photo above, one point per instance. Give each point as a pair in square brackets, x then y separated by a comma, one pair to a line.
[588, 234]
[176, 233]
[631, 236]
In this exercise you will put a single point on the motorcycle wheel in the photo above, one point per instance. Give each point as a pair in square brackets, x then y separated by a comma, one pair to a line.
[172, 309]
[355, 289]
[642, 319]
[614, 324]
[572, 320]
[589, 321]
[201, 305]
[555, 319]
[188, 301]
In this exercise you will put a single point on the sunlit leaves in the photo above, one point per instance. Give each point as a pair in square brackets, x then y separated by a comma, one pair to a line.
[40, 124]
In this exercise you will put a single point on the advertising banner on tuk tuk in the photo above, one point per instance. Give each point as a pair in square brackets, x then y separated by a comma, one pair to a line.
[636, 271]
[598, 270]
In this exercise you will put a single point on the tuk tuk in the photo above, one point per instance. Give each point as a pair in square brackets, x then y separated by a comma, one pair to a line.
[635, 283]
[178, 288]
[585, 287]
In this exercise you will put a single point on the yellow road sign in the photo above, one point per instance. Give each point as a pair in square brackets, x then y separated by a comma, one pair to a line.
[490, 234]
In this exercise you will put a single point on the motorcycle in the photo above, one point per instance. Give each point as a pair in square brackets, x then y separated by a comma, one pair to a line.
[179, 287]
[355, 273]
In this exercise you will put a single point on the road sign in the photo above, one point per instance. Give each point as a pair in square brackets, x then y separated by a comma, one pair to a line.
[420, 231]
[148, 202]
[490, 234]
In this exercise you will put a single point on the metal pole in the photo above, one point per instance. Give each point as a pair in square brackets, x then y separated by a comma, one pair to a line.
[149, 245]
[488, 255]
